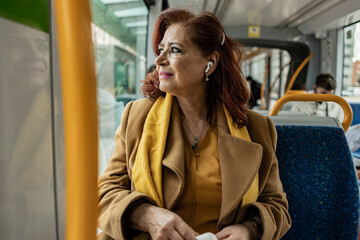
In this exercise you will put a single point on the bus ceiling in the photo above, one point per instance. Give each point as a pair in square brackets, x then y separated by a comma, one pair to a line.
[307, 16]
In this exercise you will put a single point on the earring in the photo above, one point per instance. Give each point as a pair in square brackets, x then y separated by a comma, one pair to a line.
[206, 78]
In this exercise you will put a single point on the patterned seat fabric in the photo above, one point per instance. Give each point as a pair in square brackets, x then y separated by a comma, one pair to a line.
[319, 179]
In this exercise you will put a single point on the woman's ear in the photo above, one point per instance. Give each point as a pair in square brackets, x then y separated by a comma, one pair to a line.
[214, 58]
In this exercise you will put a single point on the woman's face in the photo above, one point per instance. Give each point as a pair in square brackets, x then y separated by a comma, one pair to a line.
[24, 55]
[180, 64]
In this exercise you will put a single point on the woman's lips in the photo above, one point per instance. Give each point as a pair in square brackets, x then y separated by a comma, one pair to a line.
[164, 75]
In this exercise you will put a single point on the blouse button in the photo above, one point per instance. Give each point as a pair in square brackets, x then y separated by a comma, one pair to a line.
[197, 154]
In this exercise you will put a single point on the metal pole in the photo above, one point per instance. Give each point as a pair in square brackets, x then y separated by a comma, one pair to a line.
[80, 117]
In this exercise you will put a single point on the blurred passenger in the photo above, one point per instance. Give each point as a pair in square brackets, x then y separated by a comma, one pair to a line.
[325, 84]
[255, 89]
[191, 158]
[353, 137]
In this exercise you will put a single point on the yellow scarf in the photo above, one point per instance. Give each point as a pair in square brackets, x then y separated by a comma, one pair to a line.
[147, 171]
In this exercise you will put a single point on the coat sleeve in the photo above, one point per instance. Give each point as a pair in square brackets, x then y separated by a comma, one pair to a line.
[271, 204]
[114, 193]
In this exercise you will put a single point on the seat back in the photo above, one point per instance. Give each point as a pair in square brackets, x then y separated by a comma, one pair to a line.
[305, 120]
[319, 178]
[300, 118]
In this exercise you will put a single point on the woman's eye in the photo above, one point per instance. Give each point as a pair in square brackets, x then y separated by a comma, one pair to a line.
[42, 46]
[175, 50]
[160, 50]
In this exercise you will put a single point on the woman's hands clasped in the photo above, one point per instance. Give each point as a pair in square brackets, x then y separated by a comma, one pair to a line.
[160, 223]
[163, 224]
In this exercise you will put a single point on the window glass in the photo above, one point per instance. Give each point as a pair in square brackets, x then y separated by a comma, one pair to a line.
[351, 67]
[119, 31]
[255, 64]
[275, 70]
[27, 202]
[286, 59]
[258, 67]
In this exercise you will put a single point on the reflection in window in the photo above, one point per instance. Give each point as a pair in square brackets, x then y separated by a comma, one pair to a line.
[119, 33]
[351, 67]
[27, 203]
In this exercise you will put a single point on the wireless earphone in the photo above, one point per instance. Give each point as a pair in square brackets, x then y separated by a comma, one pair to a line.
[209, 65]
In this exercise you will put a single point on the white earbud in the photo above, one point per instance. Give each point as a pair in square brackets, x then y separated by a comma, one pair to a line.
[209, 65]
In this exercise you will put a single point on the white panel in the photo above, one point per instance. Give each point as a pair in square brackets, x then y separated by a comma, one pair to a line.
[262, 12]
[333, 17]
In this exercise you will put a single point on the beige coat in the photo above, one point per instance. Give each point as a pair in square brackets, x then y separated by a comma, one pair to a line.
[240, 160]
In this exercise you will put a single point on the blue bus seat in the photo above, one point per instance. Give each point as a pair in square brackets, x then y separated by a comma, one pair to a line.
[356, 112]
[320, 181]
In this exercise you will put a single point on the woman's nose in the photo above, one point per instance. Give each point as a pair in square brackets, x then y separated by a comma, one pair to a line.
[161, 59]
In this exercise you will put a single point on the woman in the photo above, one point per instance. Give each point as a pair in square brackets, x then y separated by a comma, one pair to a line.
[191, 158]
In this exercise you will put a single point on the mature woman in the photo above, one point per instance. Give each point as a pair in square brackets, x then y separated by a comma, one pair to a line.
[190, 158]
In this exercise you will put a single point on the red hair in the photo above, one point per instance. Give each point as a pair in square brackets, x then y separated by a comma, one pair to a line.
[227, 84]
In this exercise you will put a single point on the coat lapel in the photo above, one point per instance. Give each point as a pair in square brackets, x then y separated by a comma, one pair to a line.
[174, 160]
[239, 162]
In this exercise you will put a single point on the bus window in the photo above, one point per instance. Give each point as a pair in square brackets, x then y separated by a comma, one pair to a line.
[119, 32]
[351, 67]
[267, 66]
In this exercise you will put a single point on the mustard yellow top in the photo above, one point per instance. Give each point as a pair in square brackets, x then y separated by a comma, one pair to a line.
[200, 202]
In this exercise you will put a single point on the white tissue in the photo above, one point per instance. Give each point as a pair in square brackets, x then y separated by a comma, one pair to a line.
[206, 236]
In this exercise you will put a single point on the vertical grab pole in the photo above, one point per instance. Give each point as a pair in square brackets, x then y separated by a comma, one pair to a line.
[297, 72]
[80, 117]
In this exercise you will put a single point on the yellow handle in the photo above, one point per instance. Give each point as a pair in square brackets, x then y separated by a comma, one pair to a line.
[296, 91]
[296, 73]
[348, 114]
[80, 117]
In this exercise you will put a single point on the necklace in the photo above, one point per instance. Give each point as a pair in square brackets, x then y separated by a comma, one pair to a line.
[196, 138]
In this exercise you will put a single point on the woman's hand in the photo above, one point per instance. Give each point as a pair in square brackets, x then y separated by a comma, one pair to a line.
[160, 223]
[234, 232]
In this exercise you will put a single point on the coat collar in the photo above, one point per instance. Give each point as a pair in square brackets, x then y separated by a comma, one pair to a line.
[238, 158]
[239, 162]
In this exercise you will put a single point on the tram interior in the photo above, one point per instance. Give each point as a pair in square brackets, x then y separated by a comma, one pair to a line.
[279, 37]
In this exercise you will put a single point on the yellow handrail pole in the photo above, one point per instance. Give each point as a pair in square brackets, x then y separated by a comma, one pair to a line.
[348, 114]
[296, 73]
[80, 117]
[297, 92]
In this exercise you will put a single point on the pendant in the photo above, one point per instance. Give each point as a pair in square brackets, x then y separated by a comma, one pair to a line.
[195, 145]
